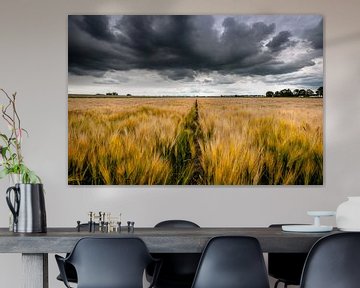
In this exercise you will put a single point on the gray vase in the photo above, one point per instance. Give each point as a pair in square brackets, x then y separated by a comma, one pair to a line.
[27, 204]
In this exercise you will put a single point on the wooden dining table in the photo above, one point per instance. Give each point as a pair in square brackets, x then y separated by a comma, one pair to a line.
[35, 247]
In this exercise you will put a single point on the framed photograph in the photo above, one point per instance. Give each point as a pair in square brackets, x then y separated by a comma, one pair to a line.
[195, 100]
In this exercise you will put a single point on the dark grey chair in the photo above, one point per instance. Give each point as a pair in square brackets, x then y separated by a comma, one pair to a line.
[178, 269]
[70, 273]
[286, 267]
[108, 263]
[232, 262]
[333, 262]
[69, 269]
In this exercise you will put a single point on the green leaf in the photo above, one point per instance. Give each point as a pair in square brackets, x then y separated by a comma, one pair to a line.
[26, 132]
[3, 151]
[33, 178]
[28, 176]
[4, 137]
[4, 173]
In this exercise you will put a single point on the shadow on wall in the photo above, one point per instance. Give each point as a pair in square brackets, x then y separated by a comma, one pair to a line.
[344, 39]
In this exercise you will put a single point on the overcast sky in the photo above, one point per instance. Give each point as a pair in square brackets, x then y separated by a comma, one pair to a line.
[194, 55]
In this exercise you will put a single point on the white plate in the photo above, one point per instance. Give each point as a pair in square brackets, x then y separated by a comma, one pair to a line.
[321, 213]
[306, 228]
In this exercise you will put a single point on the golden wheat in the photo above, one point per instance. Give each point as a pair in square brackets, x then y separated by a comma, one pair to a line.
[242, 141]
[262, 141]
[120, 141]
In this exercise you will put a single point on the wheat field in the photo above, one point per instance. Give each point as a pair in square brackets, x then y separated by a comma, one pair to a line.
[195, 141]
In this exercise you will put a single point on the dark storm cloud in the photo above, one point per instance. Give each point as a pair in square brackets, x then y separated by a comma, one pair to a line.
[280, 67]
[280, 41]
[89, 46]
[178, 74]
[306, 81]
[178, 47]
[97, 27]
[315, 35]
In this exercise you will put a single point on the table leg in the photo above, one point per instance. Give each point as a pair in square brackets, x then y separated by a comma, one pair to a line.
[35, 270]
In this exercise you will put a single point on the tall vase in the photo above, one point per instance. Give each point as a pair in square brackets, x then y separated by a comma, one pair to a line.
[14, 179]
[348, 214]
[27, 204]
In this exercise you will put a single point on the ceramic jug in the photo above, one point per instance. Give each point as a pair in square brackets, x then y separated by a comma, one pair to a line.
[27, 207]
[348, 215]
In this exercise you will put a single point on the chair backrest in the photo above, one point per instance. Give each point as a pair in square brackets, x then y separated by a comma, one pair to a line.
[176, 224]
[286, 266]
[178, 269]
[333, 262]
[232, 262]
[110, 262]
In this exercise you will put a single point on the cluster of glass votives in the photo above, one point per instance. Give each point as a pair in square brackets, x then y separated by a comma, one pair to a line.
[104, 222]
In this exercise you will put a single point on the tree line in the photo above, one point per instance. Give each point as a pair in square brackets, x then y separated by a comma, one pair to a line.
[296, 93]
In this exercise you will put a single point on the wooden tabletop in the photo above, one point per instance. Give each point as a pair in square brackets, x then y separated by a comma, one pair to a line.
[158, 240]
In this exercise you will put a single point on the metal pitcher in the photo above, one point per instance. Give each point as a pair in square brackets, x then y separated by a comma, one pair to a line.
[28, 207]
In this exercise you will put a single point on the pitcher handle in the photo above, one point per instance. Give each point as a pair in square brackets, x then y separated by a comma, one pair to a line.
[13, 208]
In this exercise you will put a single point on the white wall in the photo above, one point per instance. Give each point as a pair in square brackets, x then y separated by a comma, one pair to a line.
[33, 62]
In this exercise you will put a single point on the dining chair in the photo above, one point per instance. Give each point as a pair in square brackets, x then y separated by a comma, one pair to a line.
[333, 262]
[70, 271]
[285, 267]
[232, 262]
[178, 269]
[108, 263]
